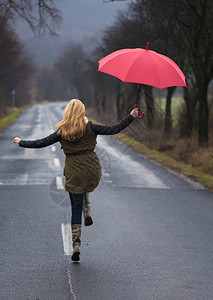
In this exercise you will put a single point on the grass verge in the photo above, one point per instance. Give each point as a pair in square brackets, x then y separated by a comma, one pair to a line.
[12, 117]
[194, 174]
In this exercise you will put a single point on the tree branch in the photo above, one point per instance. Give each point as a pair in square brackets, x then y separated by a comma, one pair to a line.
[46, 18]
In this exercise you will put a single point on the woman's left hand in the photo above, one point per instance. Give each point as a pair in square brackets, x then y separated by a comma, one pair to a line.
[134, 112]
[16, 140]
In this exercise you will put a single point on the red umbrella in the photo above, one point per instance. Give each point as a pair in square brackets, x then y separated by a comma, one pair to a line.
[143, 66]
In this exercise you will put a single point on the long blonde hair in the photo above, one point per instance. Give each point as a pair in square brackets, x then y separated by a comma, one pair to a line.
[73, 125]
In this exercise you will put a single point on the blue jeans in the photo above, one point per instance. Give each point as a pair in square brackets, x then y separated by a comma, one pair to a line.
[77, 207]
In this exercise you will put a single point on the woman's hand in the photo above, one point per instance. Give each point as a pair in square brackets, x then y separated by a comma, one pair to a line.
[16, 140]
[134, 112]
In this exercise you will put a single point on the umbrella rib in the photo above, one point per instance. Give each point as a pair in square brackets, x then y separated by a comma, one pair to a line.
[135, 57]
[157, 70]
[174, 66]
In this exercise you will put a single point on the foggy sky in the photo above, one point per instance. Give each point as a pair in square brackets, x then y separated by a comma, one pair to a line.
[83, 19]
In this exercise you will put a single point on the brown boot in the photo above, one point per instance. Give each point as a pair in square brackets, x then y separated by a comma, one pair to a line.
[86, 211]
[76, 235]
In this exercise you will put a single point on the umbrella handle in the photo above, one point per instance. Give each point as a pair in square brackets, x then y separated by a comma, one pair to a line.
[141, 115]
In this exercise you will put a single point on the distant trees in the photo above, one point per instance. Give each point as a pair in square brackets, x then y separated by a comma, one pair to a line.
[16, 66]
[16, 69]
[74, 66]
[49, 84]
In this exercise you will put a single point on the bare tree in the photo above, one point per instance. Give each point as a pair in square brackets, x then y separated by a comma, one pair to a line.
[196, 23]
[50, 84]
[41, 15]
[16, 68]
[74, 66]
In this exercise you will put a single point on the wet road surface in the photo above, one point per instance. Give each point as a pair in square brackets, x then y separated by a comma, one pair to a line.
[152, 233]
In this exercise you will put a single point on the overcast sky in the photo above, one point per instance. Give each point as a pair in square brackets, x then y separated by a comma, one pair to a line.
[83, 19]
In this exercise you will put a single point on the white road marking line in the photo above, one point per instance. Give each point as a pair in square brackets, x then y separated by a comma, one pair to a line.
[57, 162]
[66, 238]
[105, 174]
[108, 181]
[70, 284]
[59, 183]
[53, 148]
[25, 178]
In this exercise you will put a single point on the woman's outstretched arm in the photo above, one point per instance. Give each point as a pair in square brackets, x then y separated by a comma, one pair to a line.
[40, 143]
[113, 129]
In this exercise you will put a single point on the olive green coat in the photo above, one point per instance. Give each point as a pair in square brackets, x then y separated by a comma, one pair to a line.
[82, 169]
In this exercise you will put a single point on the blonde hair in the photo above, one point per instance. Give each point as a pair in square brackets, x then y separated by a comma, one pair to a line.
[73, 125]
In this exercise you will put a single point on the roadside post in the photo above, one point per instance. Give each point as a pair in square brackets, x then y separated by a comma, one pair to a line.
[13, 97]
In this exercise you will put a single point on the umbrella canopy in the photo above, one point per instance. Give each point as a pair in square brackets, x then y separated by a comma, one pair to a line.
[143, 66]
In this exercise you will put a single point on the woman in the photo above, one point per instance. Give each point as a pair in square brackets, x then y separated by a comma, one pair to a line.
[82, 169]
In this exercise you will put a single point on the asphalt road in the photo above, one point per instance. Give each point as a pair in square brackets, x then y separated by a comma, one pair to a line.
[152, 237]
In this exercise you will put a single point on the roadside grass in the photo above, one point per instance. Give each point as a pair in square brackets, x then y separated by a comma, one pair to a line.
[12, 117]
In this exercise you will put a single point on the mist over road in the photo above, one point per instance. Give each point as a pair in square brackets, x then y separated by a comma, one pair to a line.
[152, 233]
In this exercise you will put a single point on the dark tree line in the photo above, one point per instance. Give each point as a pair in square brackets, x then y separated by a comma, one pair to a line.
[73, 75]
[16, 66]
[16, 69]
[182, 30]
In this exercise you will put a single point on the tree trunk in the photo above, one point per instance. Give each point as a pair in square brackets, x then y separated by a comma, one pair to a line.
[3, 103]
[118, 99]
[103, 103]
[97, 104]
[189, 124]
[168, 115]
[203, 116]
[150, 108]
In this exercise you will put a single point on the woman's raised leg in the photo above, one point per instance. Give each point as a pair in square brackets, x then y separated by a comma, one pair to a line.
[77, 208]
[87, 211]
